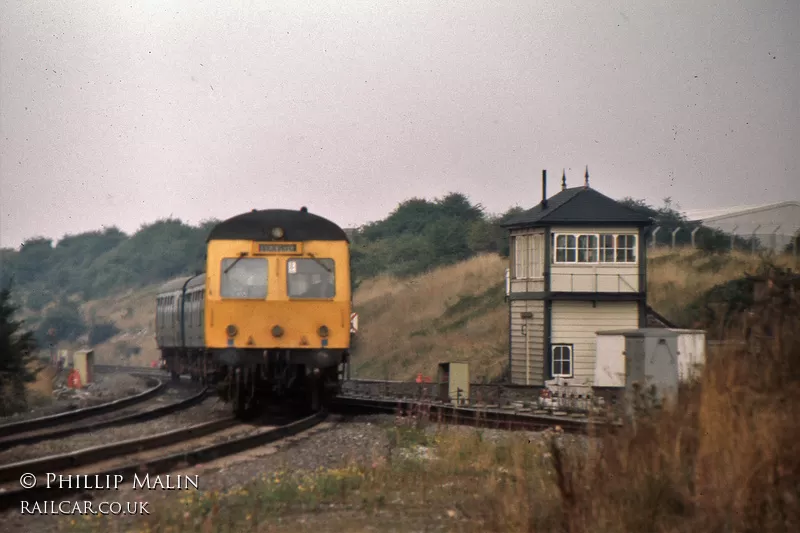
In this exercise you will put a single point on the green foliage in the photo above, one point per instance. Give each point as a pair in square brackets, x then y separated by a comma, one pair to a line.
[420, 235]
[61, 322]
[17, 348]
[98, 263]
[101, 332]
[719, 308]
[793, 246]
[158, 251]
[417, 236]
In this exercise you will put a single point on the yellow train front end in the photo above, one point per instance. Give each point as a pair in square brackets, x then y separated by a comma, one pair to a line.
[278, 300]
[277, 306]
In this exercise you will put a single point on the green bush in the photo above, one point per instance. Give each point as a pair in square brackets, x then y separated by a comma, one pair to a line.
[101, 332]
[17, 348]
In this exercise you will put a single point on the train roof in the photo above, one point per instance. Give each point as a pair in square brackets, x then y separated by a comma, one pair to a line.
[196, 281]
[297, 225]
[178, 284]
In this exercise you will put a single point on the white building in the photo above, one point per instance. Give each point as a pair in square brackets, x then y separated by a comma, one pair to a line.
[578, 265]
[774, 225]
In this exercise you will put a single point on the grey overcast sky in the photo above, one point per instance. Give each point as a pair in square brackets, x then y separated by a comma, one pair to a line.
[122, 113]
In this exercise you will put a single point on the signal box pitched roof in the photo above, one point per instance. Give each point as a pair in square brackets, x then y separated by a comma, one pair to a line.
[579, 206]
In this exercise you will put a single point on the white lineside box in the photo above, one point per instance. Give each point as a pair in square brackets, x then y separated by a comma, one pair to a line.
[610, 361]
[83, 361]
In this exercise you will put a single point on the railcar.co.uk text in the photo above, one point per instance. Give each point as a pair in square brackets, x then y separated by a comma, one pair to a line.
[99, 482]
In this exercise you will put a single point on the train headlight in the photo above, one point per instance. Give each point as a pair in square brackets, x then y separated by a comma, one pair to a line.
[277, 233]
[231, 330]
[277, 331]
[323, 331]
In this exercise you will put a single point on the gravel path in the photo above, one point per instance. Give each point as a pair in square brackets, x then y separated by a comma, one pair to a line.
[207, 410]
[107, 388]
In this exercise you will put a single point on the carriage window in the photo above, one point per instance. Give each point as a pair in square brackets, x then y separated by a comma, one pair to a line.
[246, 278]
[199, 307]
[187, 305]
[310, 278]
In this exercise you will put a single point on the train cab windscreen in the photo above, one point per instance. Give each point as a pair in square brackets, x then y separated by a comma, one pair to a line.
[244, 278]
[311, 278]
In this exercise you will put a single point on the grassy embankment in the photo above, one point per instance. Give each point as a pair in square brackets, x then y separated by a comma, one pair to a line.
[457, 313]
[725, 458]
[451, 313]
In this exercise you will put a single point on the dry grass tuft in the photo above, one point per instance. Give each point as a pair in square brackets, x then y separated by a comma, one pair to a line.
[450, 314]
[44, 379]
[726, 458]
[676, 277]
[133, 313]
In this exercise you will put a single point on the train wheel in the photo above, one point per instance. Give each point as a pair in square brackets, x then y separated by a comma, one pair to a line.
[316, 397]
[242, 393]
[315, 393]
[235, 395]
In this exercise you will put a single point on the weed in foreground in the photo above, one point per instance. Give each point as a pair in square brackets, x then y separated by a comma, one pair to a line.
[725, 458]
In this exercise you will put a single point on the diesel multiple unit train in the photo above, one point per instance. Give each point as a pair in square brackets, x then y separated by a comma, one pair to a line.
[270, 319]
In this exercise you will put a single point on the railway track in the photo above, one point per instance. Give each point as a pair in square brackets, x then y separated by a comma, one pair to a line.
[24, 426]
[178, 449]
[140, 370]
[153, 455]
[60, 428]
[483, 417]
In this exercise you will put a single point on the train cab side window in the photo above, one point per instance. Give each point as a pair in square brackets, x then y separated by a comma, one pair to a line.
[243, 278]
[311, 278]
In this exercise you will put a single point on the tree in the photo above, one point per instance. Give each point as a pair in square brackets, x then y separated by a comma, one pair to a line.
[17, 348]
[64, 319]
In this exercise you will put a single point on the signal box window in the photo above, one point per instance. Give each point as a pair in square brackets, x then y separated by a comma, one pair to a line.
[310, 278]
[244, 278]
[562, 360]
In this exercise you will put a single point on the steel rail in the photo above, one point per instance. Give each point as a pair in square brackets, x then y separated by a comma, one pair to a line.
[141, 416]
[167, 463]
[78, 414]
[87, 456]
[487, 417]
[144, 370]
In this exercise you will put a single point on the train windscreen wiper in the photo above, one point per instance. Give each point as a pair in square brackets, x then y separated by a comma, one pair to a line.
[320, 263]
[236, 261]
